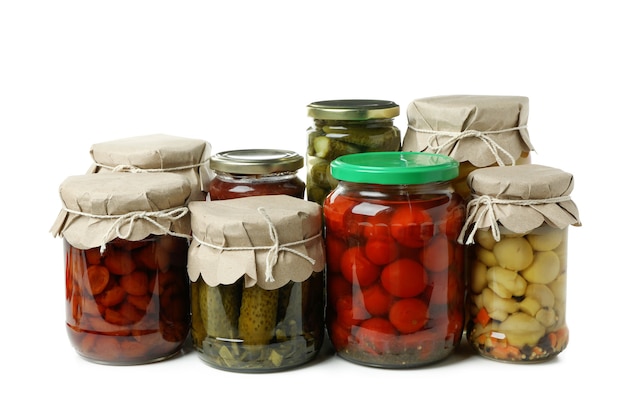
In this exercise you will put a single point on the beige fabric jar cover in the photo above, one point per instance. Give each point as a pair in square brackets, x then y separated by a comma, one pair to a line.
[269, 239]
[157, 153]
[100, 208]
[481, 129]
[519, 198]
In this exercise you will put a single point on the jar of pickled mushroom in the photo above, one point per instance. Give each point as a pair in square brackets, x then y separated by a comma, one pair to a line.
[476, 130]
[395, 270]
[517, 229]
[249, 172]
[126, 287]
[157, 153]
[256, 266]
[343, 127]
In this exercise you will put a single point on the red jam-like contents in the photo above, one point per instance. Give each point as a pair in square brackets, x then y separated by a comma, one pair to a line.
[225, 186]
[131, 304]
[395, 277]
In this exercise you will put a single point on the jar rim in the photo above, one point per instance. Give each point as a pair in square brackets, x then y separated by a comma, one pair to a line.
[256, 161]
[353, 109]
[394, 168]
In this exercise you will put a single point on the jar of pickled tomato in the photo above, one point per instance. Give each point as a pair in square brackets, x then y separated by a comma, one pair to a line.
[251, 172]
[343, 127]
[125, 240]
[517, 232]
[395, 270]
[476, 130]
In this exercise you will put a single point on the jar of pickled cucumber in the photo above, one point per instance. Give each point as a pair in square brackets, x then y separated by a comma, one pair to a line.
[257, 268]
[395, 270]
[517, 232]
[343, 127]
[157, 153]
[476, 130]
[249, 172]
[125, 240]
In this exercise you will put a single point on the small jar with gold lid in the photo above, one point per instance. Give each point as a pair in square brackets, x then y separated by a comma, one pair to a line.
[345, 127]
[253, 172]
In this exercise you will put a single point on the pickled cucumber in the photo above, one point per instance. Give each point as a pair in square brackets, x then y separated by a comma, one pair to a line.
[257, 317]
[218, 309]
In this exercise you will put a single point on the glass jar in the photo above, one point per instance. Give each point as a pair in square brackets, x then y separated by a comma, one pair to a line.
[476, 130]
[345, 127]
[395, 270]
[249, 172]
[257, 303]
[125, 247]
[154, 154]
[518, 262]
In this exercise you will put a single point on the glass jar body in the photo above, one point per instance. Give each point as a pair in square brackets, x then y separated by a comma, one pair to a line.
[517, 293]
[250, 329]
[329, 139]
[395, 273]
[130, 304]
[225, 186]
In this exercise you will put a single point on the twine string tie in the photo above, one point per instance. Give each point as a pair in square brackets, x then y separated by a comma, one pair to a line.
[484, 136]
[476, 215]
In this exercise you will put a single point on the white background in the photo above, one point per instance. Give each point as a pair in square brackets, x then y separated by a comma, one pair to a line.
[240, 74]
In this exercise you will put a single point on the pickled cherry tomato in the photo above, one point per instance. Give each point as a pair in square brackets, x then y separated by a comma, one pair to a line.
[381, 250]
[404, 278]
[356, 267]
[411, 226]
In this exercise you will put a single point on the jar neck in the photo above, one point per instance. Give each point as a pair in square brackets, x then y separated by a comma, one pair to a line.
[363, 123]
[395, 191]
[271, 176]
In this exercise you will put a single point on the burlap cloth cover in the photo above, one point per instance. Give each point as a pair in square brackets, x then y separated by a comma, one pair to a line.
[520, 198]
[99, 208]
[157, 153]
[269, 239]
[481, 129]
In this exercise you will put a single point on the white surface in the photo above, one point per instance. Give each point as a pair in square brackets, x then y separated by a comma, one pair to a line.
[239, 74]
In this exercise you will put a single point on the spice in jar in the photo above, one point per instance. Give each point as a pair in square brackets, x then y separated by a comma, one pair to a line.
[157, 153]
[343, 127]
[256, 266]
[395, 270]
[125, 243]
[250, 172]
[476, 130]
[517, 231]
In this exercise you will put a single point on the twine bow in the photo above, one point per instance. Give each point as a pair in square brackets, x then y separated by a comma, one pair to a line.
[135, 169]
[481, 207]
[455, 137]
[273, 250]
[129, 219]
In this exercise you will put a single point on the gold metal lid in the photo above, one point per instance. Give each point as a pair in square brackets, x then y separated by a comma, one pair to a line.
[354, 109]
[256, 161]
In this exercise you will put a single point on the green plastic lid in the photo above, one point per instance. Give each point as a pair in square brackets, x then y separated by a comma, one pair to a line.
[394, 168]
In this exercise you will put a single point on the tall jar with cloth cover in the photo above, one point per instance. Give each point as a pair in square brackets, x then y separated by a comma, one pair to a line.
[256, 266]
[476, 130]
[517, 232]
[342, 127]
[157, 153]
[125, 240]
